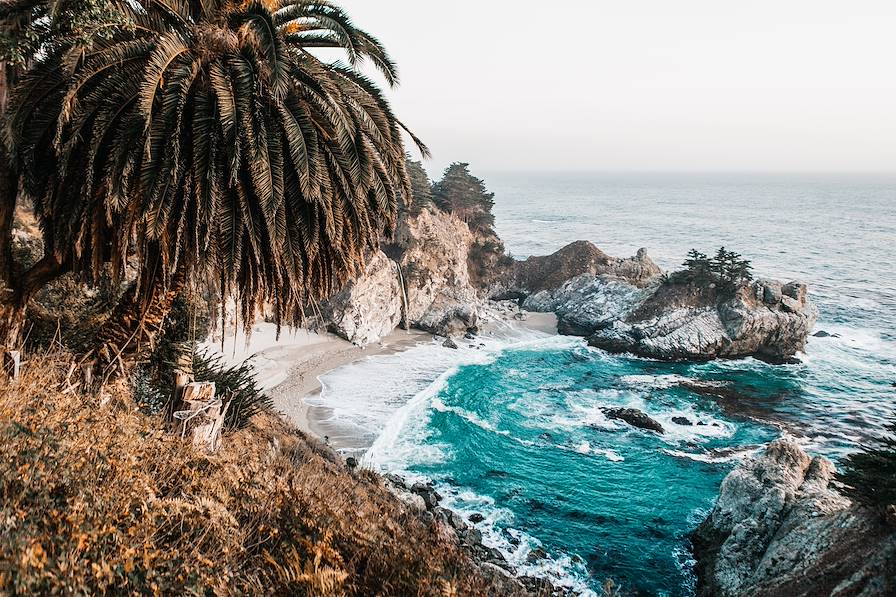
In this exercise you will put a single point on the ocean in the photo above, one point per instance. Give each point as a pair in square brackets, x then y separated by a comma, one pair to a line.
[513, 430]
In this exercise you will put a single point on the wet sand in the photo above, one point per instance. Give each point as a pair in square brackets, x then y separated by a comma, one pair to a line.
[289, 368]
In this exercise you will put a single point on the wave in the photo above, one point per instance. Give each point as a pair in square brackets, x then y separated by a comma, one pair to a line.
[397, 446]
[517, 546]
[715, 456]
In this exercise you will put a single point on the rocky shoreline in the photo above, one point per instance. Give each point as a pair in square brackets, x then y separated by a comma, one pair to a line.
[423, 499]
[780, 527]
[429, 277]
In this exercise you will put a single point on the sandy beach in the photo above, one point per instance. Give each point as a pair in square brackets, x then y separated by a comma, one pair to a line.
[289, 367]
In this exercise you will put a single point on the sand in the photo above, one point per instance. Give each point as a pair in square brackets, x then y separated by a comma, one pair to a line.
[289, 368]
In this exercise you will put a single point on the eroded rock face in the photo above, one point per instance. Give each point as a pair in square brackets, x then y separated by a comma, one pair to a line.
[549, 272]
[432, 251]
[749, 323]
[587, 302]
[779, 528]
[368, 308]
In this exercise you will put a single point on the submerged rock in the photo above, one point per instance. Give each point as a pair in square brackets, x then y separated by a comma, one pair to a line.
[681, 421]
[634, 417]
[824, 334]
[449, 343]
[779, 528]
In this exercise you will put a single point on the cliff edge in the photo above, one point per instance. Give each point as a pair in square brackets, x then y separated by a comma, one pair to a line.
[779, 528]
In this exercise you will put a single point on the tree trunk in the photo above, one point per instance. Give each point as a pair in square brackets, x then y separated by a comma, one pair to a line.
[132, 328]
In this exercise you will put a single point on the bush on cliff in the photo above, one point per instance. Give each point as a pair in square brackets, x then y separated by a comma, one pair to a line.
[869, 475]
[95, 498]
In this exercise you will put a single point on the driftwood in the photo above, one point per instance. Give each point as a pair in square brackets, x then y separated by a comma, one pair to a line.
[204, 415]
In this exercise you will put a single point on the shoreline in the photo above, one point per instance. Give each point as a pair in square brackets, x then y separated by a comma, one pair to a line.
[289, 368]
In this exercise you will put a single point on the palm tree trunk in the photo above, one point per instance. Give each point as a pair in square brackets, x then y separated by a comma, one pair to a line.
[130, 333]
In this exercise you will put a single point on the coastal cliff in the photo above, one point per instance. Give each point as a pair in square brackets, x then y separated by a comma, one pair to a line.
[419, 279]
[780, 528]
[437, 275]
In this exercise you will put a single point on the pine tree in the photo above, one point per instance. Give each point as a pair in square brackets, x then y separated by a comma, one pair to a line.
[465, 196]
[421, 188]
[698, 265]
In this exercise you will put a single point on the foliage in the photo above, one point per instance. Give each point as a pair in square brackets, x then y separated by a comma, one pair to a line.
[29, 25]
[421, 189]
[464, 195]
[235, 385]
[870, 474]
[202, 138]
[95, 499]
[726, 269]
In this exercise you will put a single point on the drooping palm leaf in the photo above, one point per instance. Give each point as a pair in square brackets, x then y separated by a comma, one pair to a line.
[206, 138]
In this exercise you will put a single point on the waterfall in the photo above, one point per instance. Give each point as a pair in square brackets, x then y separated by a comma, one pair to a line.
[404, 298]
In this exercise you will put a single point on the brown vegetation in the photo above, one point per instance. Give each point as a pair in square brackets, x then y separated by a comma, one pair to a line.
[96, 497]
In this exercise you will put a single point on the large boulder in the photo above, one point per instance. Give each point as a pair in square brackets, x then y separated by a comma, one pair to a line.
[368, 308]
[700, 324]
[779, 528]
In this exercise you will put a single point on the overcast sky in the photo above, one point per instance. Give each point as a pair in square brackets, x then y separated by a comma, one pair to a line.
[645, 85]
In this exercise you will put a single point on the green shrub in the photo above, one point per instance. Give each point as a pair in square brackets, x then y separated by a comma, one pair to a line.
[869, 475]
[235, 385]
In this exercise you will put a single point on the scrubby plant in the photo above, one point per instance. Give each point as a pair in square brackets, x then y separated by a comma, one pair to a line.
[236, 385]
[869, 475]
[95, 499]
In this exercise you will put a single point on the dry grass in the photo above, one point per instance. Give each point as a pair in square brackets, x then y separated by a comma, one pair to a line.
[97, 498]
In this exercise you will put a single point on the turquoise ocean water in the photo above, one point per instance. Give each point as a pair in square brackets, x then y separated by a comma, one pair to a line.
[514, 430]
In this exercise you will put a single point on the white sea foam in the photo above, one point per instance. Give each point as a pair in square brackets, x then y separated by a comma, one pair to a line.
[497, 531]
[611, 455]
[713, 457]
[396, 407]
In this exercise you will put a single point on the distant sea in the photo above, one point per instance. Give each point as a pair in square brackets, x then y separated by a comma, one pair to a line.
[514, 431]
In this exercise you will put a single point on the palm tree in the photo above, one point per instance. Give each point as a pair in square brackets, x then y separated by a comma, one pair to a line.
[205, 138]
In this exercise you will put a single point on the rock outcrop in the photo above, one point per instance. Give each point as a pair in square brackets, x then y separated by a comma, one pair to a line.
[779, 528]
[765, 319]
[625, 305]
[549, 272]
[635, 418]
[429, 255]
[588, 302]
[436, 274]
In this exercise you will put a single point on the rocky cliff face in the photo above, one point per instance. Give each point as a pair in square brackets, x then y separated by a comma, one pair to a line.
[623, 305]
[436, 273]
[550, 272]
[765, 319]
[778, 528]
[429, 255]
